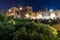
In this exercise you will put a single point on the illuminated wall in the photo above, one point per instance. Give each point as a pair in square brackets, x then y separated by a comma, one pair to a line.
[26, 12]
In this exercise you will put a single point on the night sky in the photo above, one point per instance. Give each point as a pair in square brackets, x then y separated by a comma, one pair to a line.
[36, 4]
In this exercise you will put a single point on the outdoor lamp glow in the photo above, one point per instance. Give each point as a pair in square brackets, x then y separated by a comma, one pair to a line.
[51, 10]
[20, 8]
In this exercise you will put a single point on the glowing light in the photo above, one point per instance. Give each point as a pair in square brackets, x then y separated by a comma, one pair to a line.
[27, 15]
[47, 17]
[52, 16]
[13, 22]
[20, 8]
[51, 10]
[39, 16]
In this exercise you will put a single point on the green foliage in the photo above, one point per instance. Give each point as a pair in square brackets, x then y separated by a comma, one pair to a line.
[35, 31]
[27, 31]
[1, 18]
[15, 29]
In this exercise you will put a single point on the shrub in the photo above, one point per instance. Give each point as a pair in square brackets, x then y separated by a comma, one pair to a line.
[35, 31]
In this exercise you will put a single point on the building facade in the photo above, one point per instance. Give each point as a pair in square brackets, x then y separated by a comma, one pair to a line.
[13, 12]
[26, 12]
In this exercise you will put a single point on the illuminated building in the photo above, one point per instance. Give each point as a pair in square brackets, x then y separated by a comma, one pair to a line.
[47, 15]
[12, 12]
[58, 14]
[34, 15]
[25, 11]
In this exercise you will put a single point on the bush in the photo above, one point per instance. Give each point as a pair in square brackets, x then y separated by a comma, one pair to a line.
[35, 31]
[26, 30]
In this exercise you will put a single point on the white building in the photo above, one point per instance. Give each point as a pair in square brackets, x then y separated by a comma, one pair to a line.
[58, 14]
[47, 15]
[26, 12]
